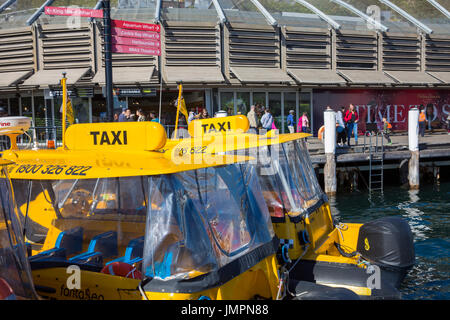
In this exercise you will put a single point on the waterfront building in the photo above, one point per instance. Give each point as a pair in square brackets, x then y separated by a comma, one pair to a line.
[382, 56]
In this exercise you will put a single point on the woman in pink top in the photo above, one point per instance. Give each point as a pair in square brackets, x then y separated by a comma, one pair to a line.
[303, 123]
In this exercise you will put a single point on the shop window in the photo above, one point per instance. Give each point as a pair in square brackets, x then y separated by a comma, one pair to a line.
[57, 103]
[259, 100]
[4, 104]
[14, 109]
[43, 119]
[243, 102]
[290, 104]
[81, 109]
[27, 108]
[275, 109]
[305, 106]
[227, 102]
[99, 109]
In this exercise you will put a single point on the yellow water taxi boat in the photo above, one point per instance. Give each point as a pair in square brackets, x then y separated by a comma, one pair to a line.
[371, 259]
[113, 215]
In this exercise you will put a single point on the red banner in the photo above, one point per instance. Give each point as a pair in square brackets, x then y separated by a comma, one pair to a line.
[135, 25]
[79, 12]
[373, 105]
[135, 34]
[155, 44]
[136, 50]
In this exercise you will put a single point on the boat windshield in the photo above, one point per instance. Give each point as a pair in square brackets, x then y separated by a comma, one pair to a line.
[202, 220]
[15, 274]
[193, 221]
[104, 215]
[287, 178]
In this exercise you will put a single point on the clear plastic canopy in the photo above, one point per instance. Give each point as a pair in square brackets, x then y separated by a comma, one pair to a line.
[15, 274]
[202, 220]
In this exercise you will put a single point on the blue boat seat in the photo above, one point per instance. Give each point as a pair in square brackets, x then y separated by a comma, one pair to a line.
[102, 245]
[133, 252]
[161, 269]
[68, 242]
[174, 254]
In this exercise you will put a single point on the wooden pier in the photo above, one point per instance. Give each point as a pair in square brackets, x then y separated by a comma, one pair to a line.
[434, 153]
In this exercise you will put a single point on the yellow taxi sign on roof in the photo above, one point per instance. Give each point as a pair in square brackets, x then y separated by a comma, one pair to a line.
[116, 136]
[63, 164]
[222, 125]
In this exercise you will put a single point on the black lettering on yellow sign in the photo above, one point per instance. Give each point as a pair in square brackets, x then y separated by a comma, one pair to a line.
[221, 126]
[53, 169]
[109, 137]
[193, 150]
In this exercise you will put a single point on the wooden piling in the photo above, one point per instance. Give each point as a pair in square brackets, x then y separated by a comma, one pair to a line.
[413, 141]
[413, 170]
[329, 174]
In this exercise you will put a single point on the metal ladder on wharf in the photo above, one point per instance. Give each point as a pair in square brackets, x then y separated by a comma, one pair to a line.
[376, 161]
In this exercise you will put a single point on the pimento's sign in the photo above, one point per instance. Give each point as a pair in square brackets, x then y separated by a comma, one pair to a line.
[373, 105]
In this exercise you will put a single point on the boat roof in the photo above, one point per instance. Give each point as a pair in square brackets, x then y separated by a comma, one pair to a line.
[219, 135]
[107, 150]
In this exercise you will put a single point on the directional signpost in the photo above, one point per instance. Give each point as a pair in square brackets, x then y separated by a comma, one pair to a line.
[136, 37]
[128, 37]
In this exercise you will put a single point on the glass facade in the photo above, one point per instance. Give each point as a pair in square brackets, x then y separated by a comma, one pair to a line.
[46, 112]
[279, 102]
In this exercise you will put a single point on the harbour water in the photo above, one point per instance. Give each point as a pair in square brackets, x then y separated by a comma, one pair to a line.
[428, 212]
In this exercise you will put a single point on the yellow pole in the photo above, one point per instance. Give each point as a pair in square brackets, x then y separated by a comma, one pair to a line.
[180, 91]
[64, 105]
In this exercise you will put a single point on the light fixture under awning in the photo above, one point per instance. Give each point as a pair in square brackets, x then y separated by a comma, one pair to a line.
[212, 74]
[443, 76]
[261, 75]
[413, 78]
[53, 77]
[366, 77]
[8, 79]
[126, 75]
[316, 76]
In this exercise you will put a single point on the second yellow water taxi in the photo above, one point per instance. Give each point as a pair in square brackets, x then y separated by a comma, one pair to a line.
[371, 259]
